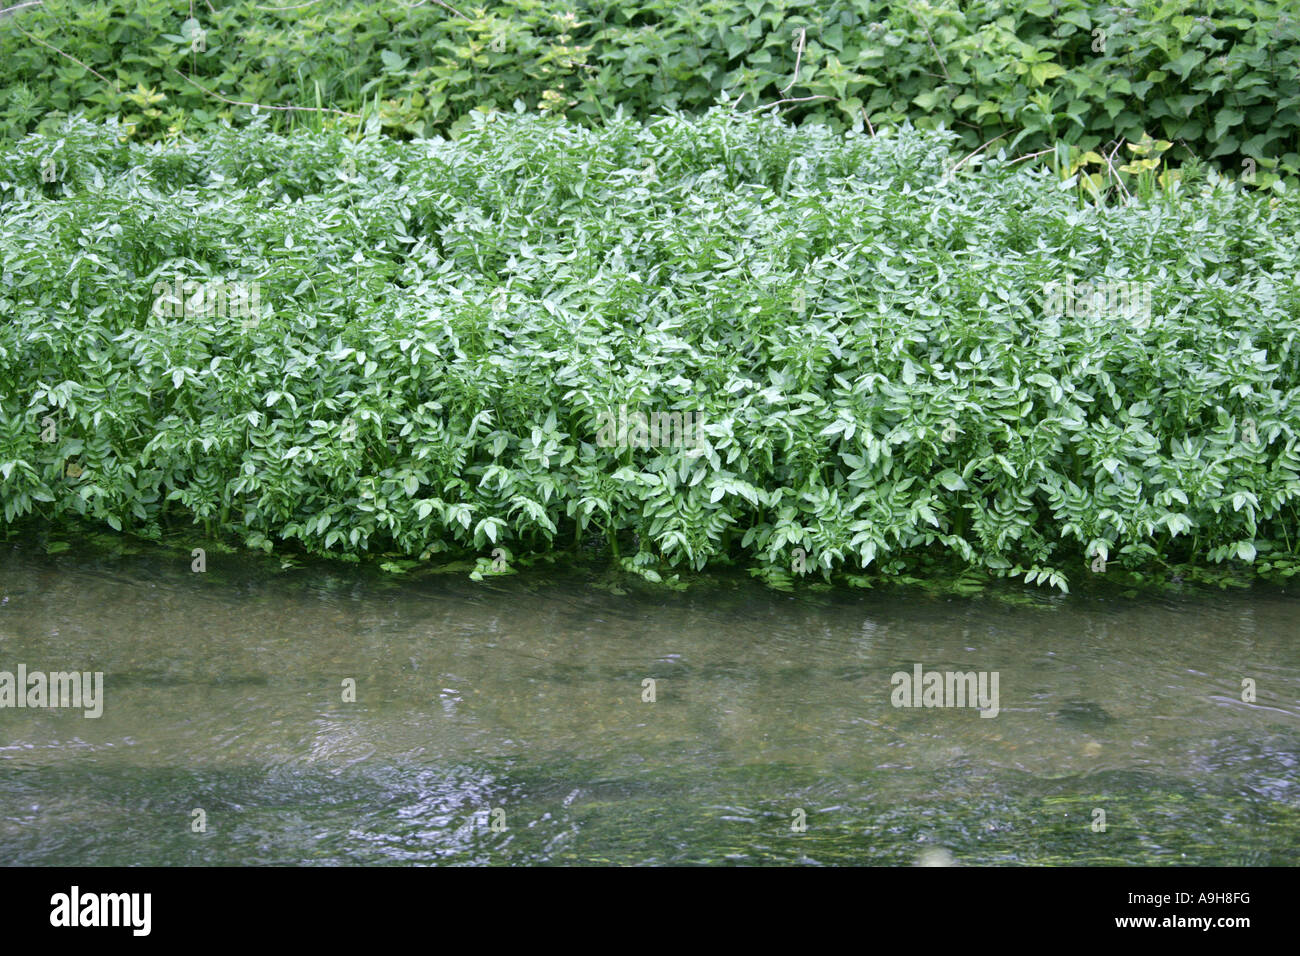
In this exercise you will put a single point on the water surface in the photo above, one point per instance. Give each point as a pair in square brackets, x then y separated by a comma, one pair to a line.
[224, 691]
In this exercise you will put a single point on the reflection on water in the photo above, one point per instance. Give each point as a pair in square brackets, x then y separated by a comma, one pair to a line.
[224, 691]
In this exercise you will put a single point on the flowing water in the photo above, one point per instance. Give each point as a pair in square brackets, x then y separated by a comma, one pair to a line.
[506, 722]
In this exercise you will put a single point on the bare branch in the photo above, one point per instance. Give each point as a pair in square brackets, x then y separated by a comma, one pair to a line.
[974, 154]
[803, 36]
[795, 99]
[19, 6]
[935, 49]
[263, 106]
[1021, 159]
[67, 56]
[445, 6]
[1112, 170]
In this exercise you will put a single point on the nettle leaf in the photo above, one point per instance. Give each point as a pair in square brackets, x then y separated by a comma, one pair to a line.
[1040, 73]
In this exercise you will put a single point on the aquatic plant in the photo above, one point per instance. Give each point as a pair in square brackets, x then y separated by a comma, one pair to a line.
[860, 325]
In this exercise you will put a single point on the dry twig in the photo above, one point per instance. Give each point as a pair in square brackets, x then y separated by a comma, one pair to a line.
[19, 6]
[942, 65]
[263, 106]
[446, 6]
[296, 6]
[963, 162]
[798, 59]
[67, 56]
[794, 99]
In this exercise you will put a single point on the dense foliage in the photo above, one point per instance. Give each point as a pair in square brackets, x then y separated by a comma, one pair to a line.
[862, 328]
[1218, 79]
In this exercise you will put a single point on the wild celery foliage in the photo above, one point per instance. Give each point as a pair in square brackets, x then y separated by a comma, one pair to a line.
[861, 330]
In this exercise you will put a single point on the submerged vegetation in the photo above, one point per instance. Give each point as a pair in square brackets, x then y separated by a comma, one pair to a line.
[895, 356]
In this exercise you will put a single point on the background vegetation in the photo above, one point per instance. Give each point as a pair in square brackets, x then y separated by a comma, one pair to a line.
[1219, 80]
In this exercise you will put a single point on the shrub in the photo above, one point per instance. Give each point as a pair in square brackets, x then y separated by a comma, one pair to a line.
[1218, 80]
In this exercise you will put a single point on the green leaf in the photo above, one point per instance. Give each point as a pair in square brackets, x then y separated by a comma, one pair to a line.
[1225, 119]
[952, 481]
[1040, 73]
[928, 100]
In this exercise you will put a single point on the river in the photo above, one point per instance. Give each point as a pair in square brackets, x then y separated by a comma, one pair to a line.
[510, 721]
